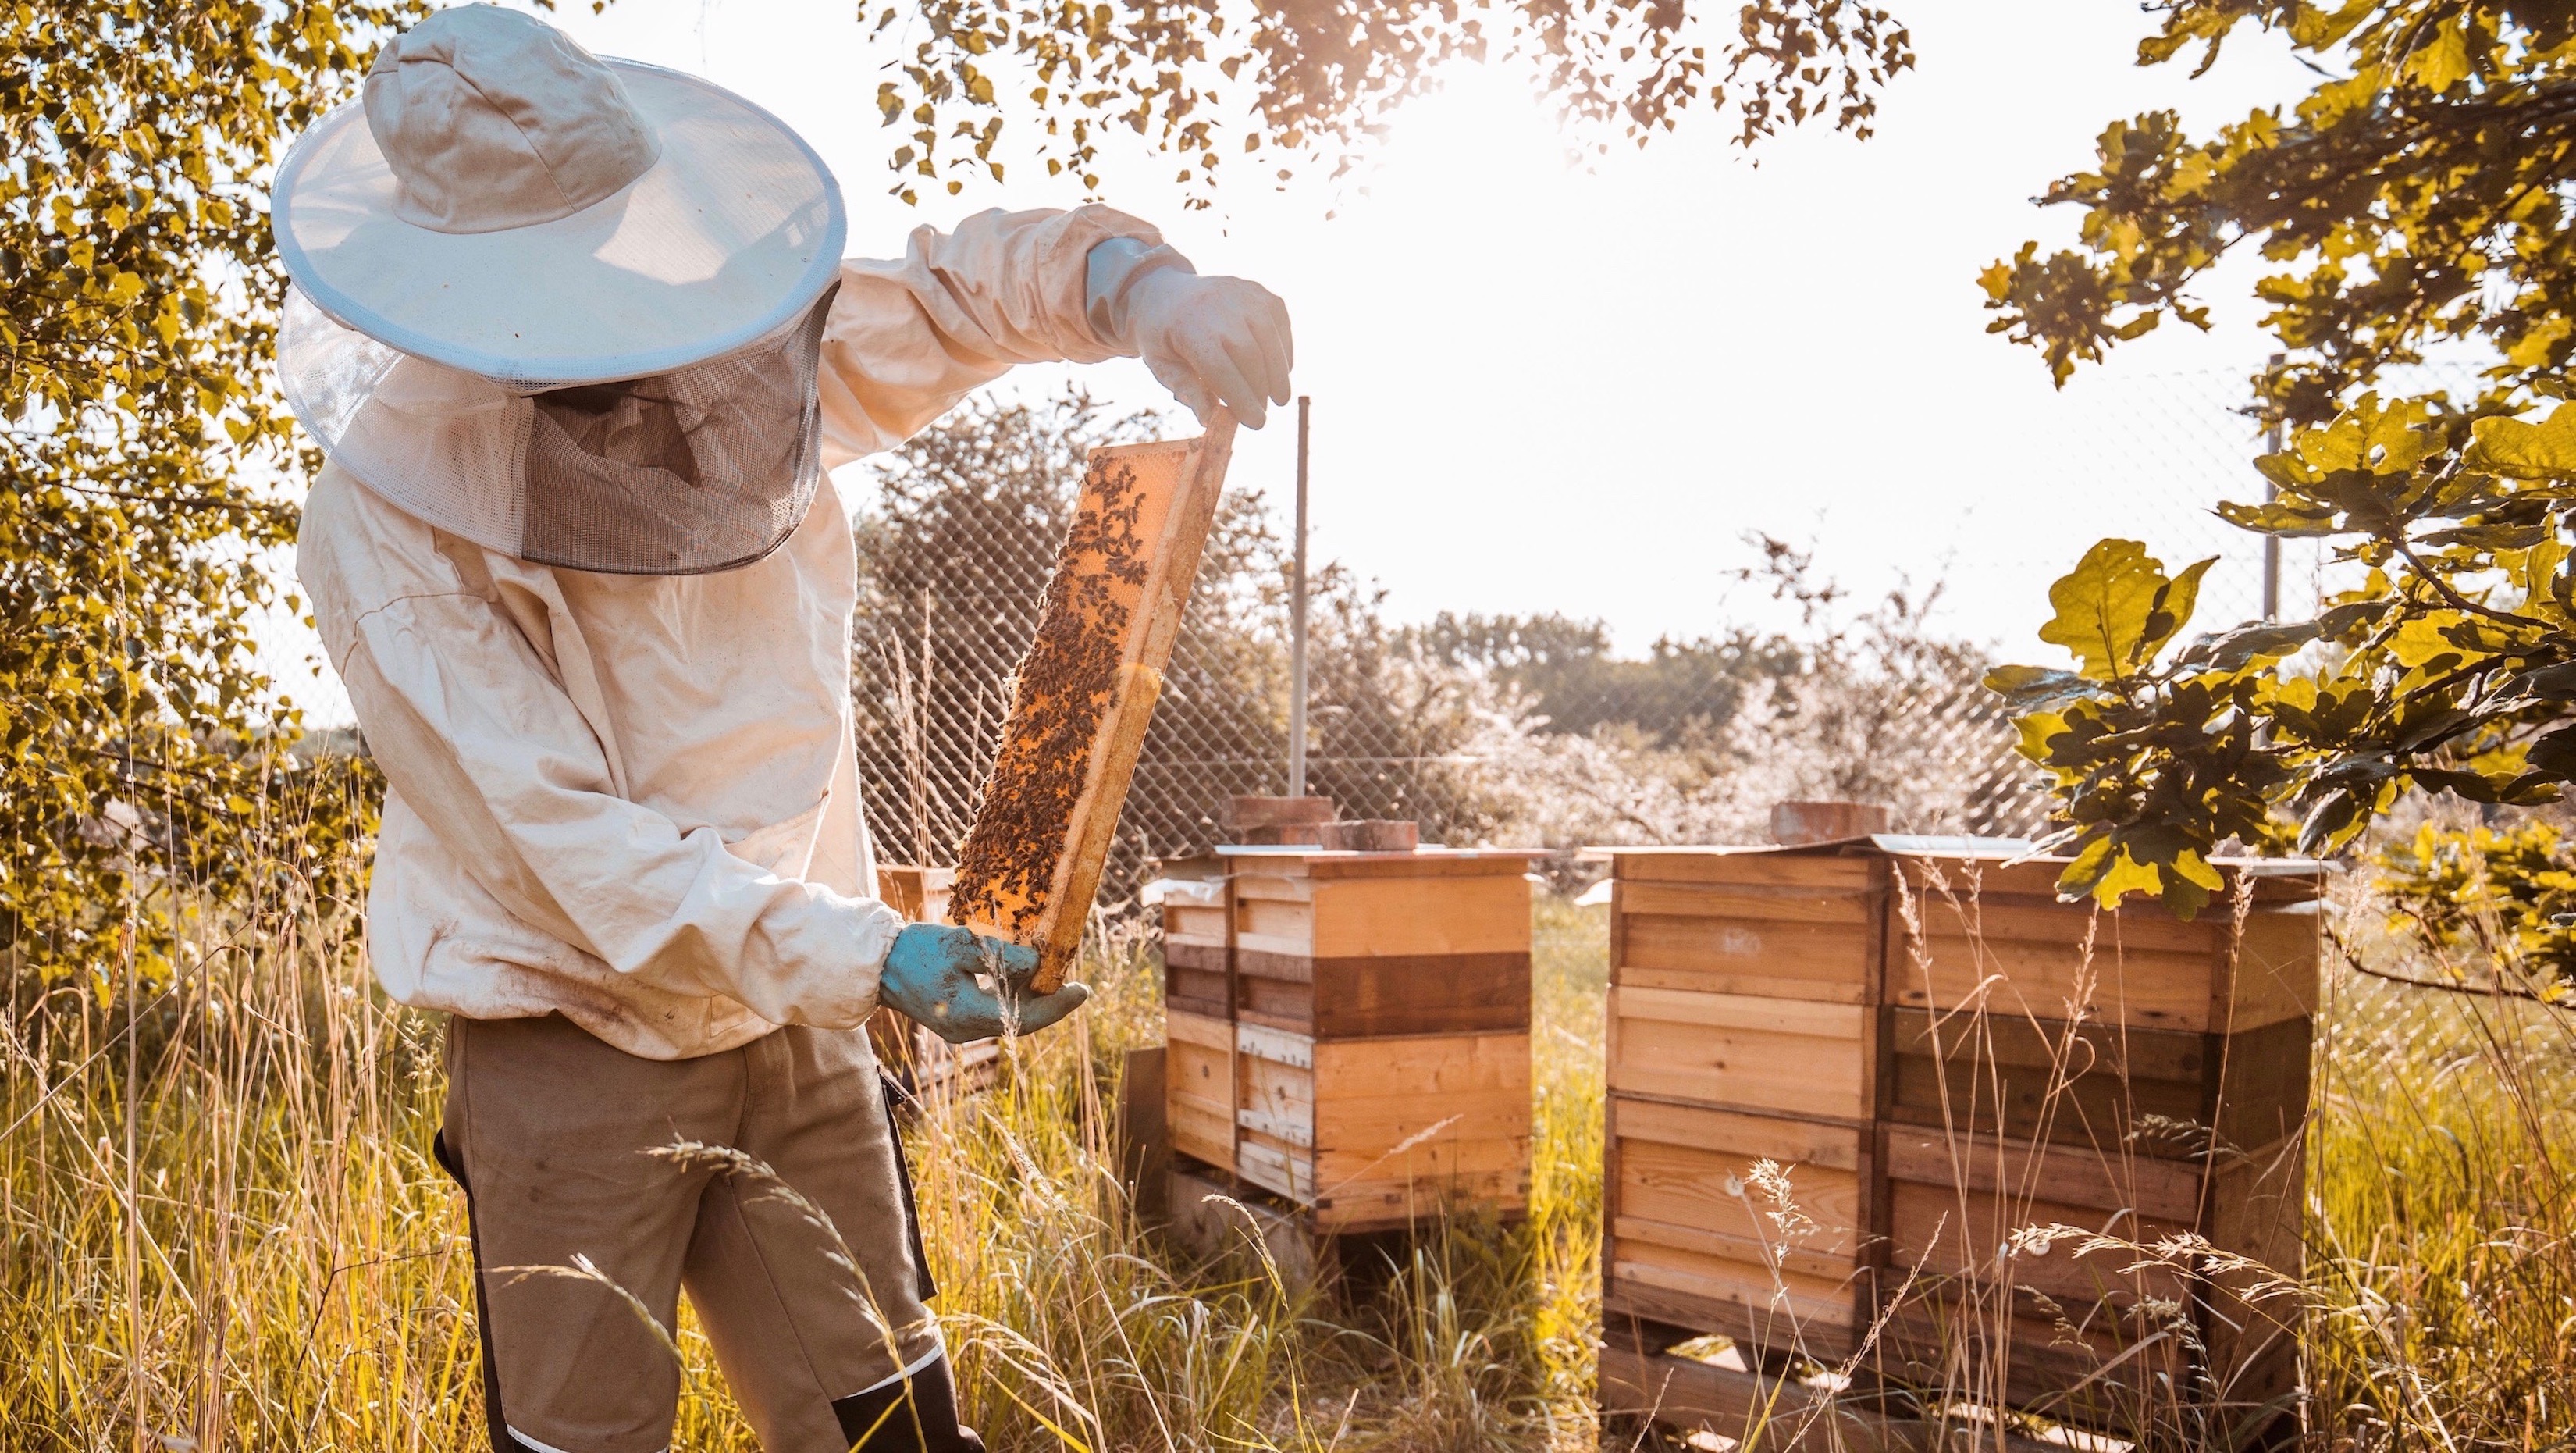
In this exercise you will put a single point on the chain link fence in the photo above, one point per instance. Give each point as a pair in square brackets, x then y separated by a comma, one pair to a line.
[1528, 732]
[954, 558]
[1521, 732]
[2155, 455]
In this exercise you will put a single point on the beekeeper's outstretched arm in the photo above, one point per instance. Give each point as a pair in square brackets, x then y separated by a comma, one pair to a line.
[910, 337]
[480, 737]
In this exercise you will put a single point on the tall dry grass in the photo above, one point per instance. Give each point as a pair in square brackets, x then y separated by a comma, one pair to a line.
[1077, 1326]
[222, 1225]
[220, 1228]
[2442, 1205]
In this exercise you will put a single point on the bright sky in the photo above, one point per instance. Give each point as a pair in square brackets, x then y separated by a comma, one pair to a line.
[1544, 388]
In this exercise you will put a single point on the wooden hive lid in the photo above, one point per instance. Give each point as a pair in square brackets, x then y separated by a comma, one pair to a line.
[1313, 862]
[1197, 865]
[2004, 864]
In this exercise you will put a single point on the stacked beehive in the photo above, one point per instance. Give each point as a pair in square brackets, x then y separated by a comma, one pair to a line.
[1937, 1053]
[1741, 1028]
[2133, 1074]
[1350, 1030]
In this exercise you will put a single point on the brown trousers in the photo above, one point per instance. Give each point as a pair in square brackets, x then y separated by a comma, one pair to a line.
[553, 1134]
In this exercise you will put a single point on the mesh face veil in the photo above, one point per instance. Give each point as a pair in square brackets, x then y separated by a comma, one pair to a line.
[700, 469]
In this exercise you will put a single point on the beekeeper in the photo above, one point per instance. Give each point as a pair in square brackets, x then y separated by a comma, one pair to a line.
[578, 343]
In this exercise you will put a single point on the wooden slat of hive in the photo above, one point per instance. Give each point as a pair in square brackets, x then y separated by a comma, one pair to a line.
[1199, 1087]
[2078, 1373]
[1352, 946]
[1405, 1126]
[1318, 908]
[1085, 694]
[1794, 1057]
[1691, 1240]
[1739, 866]
[1380, 996]
[1997, 936]
[1778, 1409]
[2153, 1092]
[1787, 941]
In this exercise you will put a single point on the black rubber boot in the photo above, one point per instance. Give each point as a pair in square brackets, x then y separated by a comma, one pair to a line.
[915, 1415]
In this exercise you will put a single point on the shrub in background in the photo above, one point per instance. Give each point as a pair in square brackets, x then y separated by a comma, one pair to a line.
[140, 465]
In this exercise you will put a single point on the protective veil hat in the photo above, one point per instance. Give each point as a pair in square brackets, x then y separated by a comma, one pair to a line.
[568, 308]
[506, 203]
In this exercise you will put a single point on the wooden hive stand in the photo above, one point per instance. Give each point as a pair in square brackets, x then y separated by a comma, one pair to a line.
[1936, 1054]
[1349, 1031]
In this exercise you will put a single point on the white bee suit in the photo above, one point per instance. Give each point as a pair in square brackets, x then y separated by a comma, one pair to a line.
[633, 799]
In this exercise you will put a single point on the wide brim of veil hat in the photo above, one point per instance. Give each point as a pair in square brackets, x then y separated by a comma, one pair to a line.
[734, 231]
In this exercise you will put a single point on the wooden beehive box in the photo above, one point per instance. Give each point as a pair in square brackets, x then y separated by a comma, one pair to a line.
[1191, 896]
[1350, 1030]
[1741, 1022]
[1939, 1053]
[919, 894]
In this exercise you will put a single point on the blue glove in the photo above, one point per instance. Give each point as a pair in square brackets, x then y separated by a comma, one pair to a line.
[930, 974]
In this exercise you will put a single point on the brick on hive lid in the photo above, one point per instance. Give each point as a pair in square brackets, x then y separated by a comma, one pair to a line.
[1370, 835]
[1796, 824]
[1243, 812]
[1276, 822]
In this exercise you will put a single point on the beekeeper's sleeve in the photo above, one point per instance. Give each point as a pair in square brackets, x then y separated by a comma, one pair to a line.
[476, 736]
[908, 338]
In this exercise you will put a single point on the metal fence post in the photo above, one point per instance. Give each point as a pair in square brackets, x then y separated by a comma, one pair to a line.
[1297, 621]
[2272, 492]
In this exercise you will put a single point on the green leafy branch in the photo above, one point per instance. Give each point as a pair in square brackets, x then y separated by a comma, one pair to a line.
[2452, 668]
[1312, 81]
[2417, 194]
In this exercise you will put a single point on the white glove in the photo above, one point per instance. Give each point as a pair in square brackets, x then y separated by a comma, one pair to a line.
[1211, 340]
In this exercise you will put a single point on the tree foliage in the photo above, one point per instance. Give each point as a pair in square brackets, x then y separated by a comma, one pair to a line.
[2452, 667]
[2417, 198]
[1319, 77]
[1571, 677]
[2491, 900]
[2414, 197]
[138, 450]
